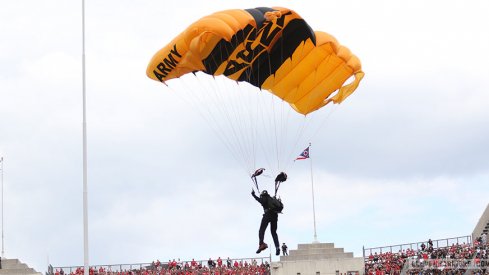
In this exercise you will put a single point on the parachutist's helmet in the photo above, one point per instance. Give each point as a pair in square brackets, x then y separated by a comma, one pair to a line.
[264, 193]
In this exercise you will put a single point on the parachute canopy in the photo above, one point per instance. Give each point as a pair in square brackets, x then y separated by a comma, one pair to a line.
[271, 48]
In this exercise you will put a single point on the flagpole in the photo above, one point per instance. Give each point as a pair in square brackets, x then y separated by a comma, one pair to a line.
[313, 204]
[85, 184]
[1, 177]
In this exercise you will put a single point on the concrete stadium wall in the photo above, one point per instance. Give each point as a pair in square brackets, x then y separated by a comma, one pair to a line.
[16, 267]
[318, 259]
[482, 226]
[319, 267]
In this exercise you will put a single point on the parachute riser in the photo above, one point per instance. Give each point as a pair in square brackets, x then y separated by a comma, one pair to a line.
[253, 179]
[278, 180]
[277, 186]
[256, 174]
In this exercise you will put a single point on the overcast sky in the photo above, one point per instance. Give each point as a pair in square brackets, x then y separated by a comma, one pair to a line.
[404, 159]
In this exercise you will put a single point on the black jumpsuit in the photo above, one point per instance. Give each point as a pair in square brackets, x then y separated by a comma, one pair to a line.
[269, 216]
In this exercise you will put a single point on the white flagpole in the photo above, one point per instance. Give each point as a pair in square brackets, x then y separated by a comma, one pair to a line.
[313, 204]
[85, 192]
[1, 176]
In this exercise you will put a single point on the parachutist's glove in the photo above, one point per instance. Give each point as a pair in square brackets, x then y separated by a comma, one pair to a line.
[252, 192]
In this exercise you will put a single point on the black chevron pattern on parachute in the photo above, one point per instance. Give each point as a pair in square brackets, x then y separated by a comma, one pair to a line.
[223, 49]
[295, 33]
[267, 62]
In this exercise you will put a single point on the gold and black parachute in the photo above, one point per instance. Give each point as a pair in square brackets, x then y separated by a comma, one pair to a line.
[271, 48]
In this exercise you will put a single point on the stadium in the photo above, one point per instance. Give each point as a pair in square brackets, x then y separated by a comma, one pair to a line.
[144, 125]
[456, 255]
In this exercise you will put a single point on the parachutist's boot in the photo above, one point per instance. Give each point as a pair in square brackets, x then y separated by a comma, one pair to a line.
[277, 251]
[261, 247]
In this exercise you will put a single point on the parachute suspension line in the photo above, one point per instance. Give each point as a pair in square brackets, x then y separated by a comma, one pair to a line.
[197, 100]
[250, 111]
[326, 118]
[244, 121]
[246, 102]
[247, 110]
[285, 133]
[262, 127]
[235, 127]
[298, 139]
[266, 120]
[268, 124]
[255, 122]
[253, 97]
[284, 117]
[283, 125]
[220, 105]
[284, 122]
[274, 127]
[256, 117]
[310, 130]
[274, 117]
[280, 136]
[189, 95]
[231, 112]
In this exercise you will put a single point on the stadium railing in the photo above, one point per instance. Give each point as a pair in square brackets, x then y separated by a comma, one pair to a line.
[440, 243]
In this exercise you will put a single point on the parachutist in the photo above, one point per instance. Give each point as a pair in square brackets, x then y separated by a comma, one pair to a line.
[270, 216]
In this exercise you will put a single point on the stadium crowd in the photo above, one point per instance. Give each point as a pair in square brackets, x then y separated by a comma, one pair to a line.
[453, 259]
[177, 267]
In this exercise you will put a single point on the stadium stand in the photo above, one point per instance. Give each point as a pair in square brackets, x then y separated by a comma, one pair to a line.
[431, 257]
[248, 266]
[460, 255]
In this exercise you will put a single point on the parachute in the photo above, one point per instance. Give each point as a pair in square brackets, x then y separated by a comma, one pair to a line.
[267, 49]
[271, 48]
